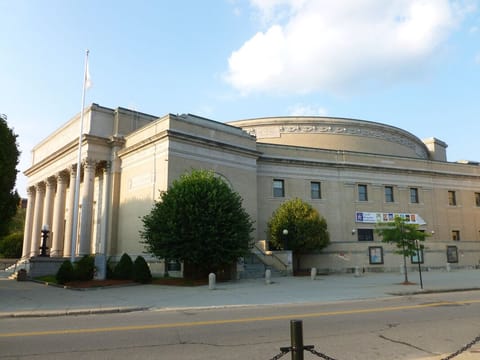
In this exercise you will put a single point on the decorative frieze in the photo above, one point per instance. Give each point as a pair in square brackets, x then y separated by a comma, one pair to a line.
[262, 132]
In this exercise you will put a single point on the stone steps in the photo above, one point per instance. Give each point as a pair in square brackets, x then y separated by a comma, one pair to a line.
[255, 269]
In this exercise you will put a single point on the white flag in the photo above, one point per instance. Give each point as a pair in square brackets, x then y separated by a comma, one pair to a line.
[88, 81]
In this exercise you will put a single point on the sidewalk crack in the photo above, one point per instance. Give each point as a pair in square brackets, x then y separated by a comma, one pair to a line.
[407, 344]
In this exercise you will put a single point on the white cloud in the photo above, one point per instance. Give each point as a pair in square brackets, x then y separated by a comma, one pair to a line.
[307, 110]
[324, 45]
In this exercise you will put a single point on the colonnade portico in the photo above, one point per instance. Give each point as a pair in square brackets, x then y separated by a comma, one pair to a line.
[51, 203]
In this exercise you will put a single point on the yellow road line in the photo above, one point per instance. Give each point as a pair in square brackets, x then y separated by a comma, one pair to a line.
[235, 321]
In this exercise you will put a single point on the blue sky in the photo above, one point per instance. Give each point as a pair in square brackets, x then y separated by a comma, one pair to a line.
[414, 64]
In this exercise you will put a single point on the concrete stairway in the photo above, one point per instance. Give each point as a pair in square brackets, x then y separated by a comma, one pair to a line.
[254, 268]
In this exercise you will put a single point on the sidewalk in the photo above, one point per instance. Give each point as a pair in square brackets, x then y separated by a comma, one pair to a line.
[26, 298]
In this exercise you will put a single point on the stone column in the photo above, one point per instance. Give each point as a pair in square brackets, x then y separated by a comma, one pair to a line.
[107, 175]
[114, 204]
[87, 205]
[27, 232]
[48, 203]
[100, 256]
[37, 219]
[59, 216]
[67, 243]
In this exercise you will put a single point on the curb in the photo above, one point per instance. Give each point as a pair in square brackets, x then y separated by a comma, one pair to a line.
[431, 291]
[71, 312]
[46, 283]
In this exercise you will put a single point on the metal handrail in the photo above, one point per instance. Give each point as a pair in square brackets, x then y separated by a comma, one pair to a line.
[264, 254]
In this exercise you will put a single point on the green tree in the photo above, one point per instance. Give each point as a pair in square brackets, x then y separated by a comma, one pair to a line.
[11, 244]
[9, 155]
[200, 221]
[306, 231]
[17, 223]
[404, 236]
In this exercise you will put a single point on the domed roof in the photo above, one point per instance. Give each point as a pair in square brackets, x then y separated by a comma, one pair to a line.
[335, 134]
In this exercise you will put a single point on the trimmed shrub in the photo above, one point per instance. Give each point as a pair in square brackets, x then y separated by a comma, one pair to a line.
[124, 268]
[84, 268]
[141, 271]
[11, 245]
[65, 273]
[110, 267]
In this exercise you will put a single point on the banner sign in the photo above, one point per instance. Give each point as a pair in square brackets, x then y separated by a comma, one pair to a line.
[376, 217]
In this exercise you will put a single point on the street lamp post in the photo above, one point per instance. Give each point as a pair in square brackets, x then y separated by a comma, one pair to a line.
[404, 257]
[44, 248]
[285, 242]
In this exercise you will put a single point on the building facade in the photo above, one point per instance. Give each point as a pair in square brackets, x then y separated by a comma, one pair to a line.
[354, 172]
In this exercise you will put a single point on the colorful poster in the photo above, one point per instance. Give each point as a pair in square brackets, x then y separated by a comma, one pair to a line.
[376, 217]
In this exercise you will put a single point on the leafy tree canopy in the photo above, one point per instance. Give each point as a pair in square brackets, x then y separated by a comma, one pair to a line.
[9, 155]
[307, 230]
[404, 236]
[199, 220]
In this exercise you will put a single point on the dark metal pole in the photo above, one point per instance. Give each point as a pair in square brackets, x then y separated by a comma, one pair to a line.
[296, 335]
[419, 265]
[404, 257]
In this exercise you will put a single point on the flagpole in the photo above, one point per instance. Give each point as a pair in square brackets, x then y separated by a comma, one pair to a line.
[79, 162]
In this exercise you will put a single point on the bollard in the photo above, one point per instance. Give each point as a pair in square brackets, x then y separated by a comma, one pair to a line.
[211, 281]
[268, 276]
[313, 273]
[402, 269]
[296, 336]
[357, 271]
[449, 267]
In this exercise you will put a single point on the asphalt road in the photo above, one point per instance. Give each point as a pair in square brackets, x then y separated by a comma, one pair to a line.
[413, 327]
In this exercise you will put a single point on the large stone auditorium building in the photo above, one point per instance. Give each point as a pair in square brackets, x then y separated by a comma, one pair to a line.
[354, 172]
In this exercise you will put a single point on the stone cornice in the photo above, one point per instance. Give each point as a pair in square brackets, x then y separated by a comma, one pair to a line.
[364, 167]
[173, 134]
[71, 147]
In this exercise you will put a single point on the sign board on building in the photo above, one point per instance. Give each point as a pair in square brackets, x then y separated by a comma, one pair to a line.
[376, 217]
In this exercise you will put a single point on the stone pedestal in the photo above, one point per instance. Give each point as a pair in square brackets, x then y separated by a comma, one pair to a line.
[41, 266]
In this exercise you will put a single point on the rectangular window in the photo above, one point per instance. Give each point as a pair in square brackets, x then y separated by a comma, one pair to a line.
[455, 235]
[477, 199]
[452, 254]
[375, 253]
[362, 192]
[389, 194]
[365, 234]
[278, 188]
[315, 190]
[414, 195]
[452, 198]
